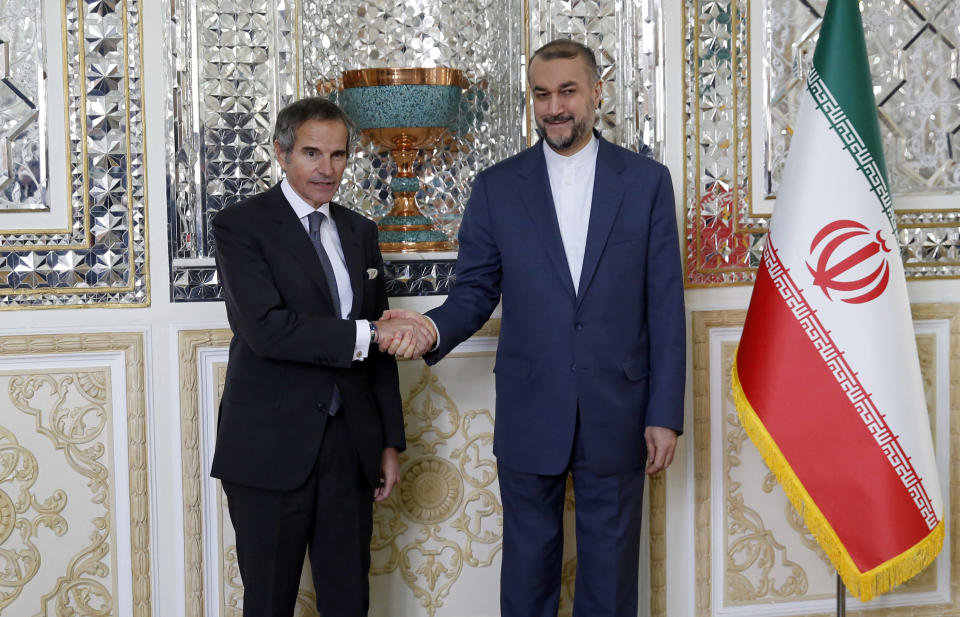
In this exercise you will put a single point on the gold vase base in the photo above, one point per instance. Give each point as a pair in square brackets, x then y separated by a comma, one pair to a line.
[416, 247]
[405, 227]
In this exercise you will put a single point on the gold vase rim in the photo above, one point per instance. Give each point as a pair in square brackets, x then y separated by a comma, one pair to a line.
[409, 76]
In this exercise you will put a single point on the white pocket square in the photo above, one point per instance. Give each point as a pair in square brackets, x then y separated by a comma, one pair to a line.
[372, 273]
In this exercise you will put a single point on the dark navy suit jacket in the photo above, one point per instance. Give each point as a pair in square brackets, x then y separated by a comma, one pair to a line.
[616, 349]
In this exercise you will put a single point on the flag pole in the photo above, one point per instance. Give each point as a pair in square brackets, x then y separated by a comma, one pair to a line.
[841, 598]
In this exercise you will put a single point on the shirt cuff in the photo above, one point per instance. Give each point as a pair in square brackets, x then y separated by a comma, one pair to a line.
[435, 329]
[362, 346]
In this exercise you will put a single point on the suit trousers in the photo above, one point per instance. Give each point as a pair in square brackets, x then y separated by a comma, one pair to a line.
[329, 517]
[608, 510]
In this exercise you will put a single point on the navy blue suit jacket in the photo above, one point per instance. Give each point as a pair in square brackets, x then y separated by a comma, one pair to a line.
[616, 349]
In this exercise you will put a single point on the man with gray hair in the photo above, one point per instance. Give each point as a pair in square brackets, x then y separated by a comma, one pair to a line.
[310, 420]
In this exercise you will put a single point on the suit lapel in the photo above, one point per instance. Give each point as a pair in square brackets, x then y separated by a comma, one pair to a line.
[352, 254]
[294, 238]
[607, 197]
[538, 199]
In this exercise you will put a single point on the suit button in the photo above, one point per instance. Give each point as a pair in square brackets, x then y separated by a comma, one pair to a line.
[573, 368]
[322, 407]
[579, 326]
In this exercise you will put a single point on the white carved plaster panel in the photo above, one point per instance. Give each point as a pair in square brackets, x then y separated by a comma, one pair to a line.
[73, 502]
[762, 561]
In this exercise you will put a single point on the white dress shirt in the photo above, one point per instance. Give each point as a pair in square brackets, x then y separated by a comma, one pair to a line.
[330, 240]
[571, 183]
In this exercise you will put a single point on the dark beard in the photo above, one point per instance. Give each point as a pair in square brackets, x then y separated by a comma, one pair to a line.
[579, 129]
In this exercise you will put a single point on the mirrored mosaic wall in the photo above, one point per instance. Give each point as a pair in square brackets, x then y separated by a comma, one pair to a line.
[23, 165]
[98, 255]
[481, 37]
[913, 45]
[236, 63]
[914, 63]
[630, 42]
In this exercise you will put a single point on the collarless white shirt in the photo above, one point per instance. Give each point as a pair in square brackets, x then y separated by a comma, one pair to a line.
[571, 184]
[330, 240]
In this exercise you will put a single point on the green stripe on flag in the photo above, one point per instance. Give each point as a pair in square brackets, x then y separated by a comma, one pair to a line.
[827, 104]
[841, 61]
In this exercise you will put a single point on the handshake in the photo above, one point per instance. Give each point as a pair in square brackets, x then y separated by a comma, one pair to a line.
[405, 334]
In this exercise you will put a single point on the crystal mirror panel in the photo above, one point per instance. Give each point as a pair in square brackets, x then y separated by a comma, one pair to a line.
[234, 63]
[913, 49]
[914, 62]
[627, 38]
[96, 255]
[23, 131]
[231, 73]
[481, 38]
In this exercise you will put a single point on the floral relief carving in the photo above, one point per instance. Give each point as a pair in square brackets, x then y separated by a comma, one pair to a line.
[448, 475]
[71, 411]
[430, 566]
[770, 538]
[568, 579]
[70, 427]
[757, 565]
[306, 605]
[431, 490]
[445, 513]
[232, 585]
[22, 515]
[75, 593]
[796, 523]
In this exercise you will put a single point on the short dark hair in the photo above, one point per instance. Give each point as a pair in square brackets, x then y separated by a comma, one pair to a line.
[567, 48]
[295, 114]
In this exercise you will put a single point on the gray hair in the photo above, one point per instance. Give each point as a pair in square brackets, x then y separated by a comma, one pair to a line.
[567, 48]
[295, 114]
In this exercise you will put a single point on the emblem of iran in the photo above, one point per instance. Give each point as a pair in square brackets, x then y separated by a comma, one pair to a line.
[850, 261]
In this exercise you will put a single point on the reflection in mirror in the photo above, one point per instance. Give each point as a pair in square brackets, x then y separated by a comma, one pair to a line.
[23, 151]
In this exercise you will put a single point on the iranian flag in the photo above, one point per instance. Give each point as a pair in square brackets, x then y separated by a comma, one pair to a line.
[827, 379]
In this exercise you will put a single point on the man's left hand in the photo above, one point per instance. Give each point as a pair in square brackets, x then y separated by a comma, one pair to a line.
[389, 473]
[661, 442]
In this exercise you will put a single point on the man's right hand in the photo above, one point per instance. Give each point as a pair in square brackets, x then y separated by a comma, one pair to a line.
[406, 334]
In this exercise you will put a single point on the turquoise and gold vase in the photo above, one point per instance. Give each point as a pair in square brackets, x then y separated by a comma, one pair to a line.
[405, 110]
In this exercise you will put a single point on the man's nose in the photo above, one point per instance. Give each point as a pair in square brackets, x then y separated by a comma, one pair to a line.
[324, 166]
[553, 105]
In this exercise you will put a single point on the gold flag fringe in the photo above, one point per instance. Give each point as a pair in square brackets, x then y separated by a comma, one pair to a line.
[863, 585]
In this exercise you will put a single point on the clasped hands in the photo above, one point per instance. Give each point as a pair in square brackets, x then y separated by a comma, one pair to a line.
[405, 334]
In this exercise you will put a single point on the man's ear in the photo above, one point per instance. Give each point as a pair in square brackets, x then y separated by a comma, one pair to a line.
[279, 153]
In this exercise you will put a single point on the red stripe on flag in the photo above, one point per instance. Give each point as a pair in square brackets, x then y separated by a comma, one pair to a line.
[821, 435]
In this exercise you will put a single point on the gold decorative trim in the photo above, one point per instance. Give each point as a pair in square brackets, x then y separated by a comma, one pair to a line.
[189, 344]
[131, 345]
[435, 76]
[137, 248]
[702, 323]
[657, 508]
[491, 328]
[20, 565]
[431, 490]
